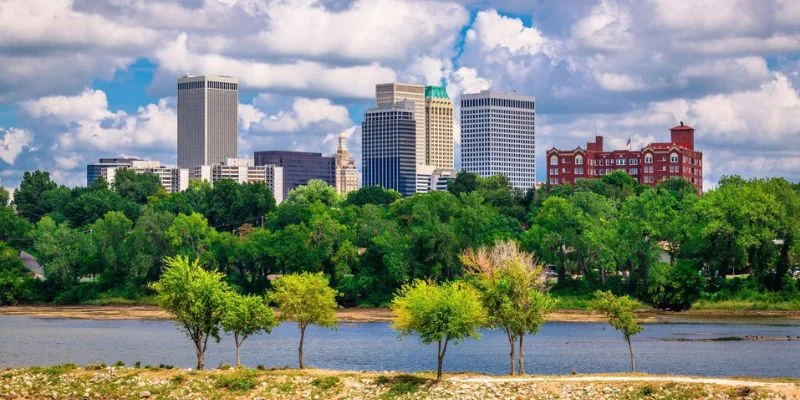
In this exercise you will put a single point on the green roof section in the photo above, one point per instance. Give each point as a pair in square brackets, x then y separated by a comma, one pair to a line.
[435, 92]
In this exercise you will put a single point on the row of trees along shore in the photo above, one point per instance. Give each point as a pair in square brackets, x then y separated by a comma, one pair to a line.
[664, 246]
[504, 288]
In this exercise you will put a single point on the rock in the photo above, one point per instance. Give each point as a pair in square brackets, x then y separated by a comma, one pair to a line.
[144, 394]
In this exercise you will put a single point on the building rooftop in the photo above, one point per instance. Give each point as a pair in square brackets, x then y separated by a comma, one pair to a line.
[436, 92]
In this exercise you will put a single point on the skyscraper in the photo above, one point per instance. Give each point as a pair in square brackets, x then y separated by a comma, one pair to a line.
[346, 172]
[207, 120]
[497, 136]
[388, 155]
[438, 128]
[391, 93]
[299, 167]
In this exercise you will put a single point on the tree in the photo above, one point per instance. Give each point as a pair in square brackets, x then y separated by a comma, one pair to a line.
[110, 235]
[196, 298]
[620, 314]
[137, 187]
[63, 252]
[14, 229]
[148, 242]
[313, 191]
[188, 234]
[245, 316]
[373, 195]
[450, 312]
[12, 276]
[27, 197]
[465, 182]
[3, 197]
[674, 287]
[306, 299]
[513, 286]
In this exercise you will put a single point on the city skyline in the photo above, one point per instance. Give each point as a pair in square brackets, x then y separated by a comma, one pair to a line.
[620, 69]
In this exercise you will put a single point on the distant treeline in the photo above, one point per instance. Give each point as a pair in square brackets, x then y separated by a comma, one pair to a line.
[665, 246]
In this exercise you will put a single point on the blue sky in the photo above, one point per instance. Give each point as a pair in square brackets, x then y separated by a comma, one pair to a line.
[82, 79]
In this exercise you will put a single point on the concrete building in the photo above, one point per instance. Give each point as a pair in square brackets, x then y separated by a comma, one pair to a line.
[392, 93]
[346, 172]
[654, 163]
[172, 179]
[243, 170]
[207, 120]
[429, 178]
[498, 136]
[388, 155]
[95, 170]
[299, 167]
[438, 128]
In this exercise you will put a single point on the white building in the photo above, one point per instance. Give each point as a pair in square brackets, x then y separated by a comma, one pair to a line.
[207, 119]
[429, 178]
[243, 170]
[173, 179]
[497, 136]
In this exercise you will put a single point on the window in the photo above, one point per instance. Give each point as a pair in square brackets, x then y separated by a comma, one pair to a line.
[608, 162]
[554, 160]
[579, 160]
[633, 161]
[673, 158]
[579, 171]
[620, 161]
[553, 171]
[648, 158]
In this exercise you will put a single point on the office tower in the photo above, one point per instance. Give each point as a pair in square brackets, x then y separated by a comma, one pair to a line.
[429, 178]
[243, 170]
[95, 170]
[438, 128]
[346, 172]
[497, 136]
[172, 179]
[207, 125]
[391, 93]
[388, 151]
[651, 165]
[299, 167]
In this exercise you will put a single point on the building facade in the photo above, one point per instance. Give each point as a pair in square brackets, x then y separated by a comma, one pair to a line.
[429, 178]
[438, 128]
[388, 154]
[299, 167]
[498, 136]
[172, 179]
[392, 93]
[654, 163]
[243, 170]
[346, 172]
[95, 170]
[207, 120]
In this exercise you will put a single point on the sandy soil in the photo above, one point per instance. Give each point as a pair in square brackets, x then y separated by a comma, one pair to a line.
[353, 315]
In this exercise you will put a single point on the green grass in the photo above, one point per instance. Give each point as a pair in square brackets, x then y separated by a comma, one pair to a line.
[325, 383]
[401, 385]
[54, 370]
[747, 305]
[239, 381]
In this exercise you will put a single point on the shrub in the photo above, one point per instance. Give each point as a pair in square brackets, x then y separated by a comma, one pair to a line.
[237, 381]
[674, 287]
[404, 384]
[325, 383]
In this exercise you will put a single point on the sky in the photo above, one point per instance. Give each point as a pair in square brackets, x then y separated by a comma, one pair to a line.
[83, 79]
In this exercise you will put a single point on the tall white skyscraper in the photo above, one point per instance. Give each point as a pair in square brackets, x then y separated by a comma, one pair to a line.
[438, 128]
[497, 136]
[387, 154]
[391, 93]
[207, 120]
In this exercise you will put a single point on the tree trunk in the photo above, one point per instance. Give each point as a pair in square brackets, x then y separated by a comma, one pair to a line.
[630, 349]
[302, 337]
[521, 368]
[200, 356]
[511, 353]
[238, 344]
[440, 359]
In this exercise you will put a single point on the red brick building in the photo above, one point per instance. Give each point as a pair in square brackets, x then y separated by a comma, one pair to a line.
[654, 163]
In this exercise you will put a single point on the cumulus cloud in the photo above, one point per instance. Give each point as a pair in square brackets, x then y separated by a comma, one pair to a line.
[13, 142]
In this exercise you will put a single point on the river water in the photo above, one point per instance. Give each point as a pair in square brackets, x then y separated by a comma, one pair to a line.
[559, 348]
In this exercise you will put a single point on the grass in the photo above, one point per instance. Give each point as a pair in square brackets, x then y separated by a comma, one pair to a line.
[239, 381]
[400, 385]
[54, 370]
[325, 383]
[747, 305]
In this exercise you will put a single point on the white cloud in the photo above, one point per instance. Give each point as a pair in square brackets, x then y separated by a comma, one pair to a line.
[619, 82]
[13, 142]
[607, 27]
[88, 105]
[304, 113]
[493, 31]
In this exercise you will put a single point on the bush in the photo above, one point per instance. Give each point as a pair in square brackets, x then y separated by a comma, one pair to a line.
[237, 381]
[674, 287]
[404, 384]
[325, 383]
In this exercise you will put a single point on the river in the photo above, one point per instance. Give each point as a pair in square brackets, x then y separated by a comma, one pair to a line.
[559, 348]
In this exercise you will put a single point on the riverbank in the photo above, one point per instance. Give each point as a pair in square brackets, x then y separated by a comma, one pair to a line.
[355, 315]
[100, 382]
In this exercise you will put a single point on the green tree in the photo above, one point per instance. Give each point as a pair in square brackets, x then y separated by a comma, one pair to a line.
[196, 298]
[373, 195]
[27, 197]
[12, 276]
[110, 235]
[450, 312]
[306, 299]
[674, 287]
[316, 190]
[91, 205]
[64, 253]
[246, 316]
[189, 234]
[137, 187]
[148, 242]
[3, 197]
[465, 182]
[14, 229]
[513, 289]
[620, 314]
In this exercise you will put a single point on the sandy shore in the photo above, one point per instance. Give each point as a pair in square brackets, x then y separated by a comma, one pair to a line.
[354, 315]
